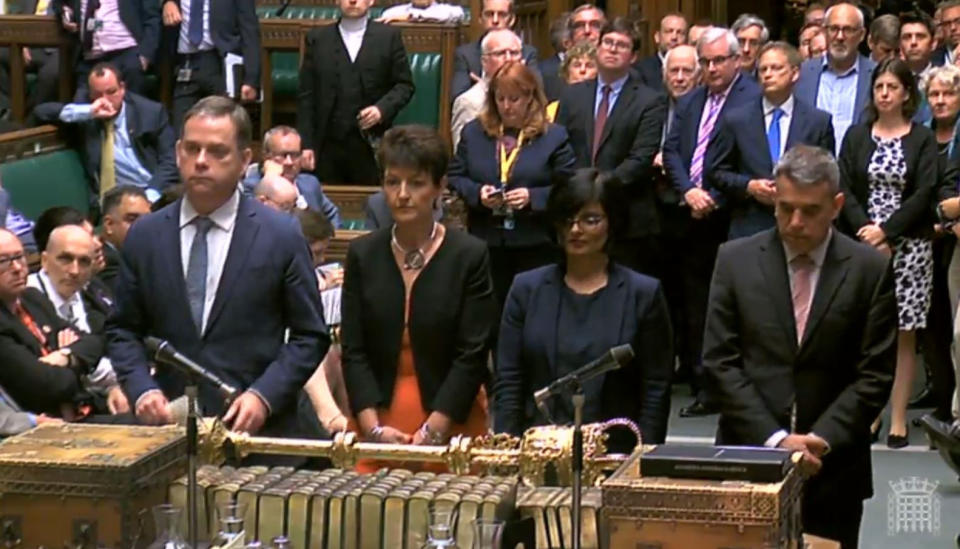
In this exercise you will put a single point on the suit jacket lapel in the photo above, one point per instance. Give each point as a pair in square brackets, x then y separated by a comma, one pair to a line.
[761, 126]
[590, 103]
[244, 235]
[550, 301]
[863, 88]
[23, 333]
[832, 274]
[173, 262]
[773, 265]
[364, 45]
[616, 301]
[795, 132]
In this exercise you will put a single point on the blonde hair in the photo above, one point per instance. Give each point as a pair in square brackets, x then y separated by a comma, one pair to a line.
[948, 74]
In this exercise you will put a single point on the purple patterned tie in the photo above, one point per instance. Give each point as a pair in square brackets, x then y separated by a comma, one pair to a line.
[703, 138]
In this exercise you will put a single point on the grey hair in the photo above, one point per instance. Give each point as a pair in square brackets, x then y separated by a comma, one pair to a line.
[948, 74]
[886, 29]
[585, 7]
[560, 31]
[806, 165]
[750, 20]
[487, 37]
[947, 4]
[277, 131]
[713, 34]
[696, 59]
[826, 14]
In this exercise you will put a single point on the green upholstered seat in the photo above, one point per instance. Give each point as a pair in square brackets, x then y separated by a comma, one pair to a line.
[424, 106]
[46, 180]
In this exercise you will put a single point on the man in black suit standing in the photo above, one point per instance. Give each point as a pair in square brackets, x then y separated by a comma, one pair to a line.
[801, 342]
[553, 83]
[467, 68]
[742, 170]
[672, 33]
[704, 225]
[347, 100]
[207, 38]
[125, 33]
[615, 123]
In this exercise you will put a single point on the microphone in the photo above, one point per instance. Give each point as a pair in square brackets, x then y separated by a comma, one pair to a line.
[162, 351]
[611, 360]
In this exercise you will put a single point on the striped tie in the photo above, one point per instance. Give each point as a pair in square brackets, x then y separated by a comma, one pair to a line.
[703, 138]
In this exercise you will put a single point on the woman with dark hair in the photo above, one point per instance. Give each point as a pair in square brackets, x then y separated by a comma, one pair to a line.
[503, 168]
[561, 316]
[418, 308]
[888, 173]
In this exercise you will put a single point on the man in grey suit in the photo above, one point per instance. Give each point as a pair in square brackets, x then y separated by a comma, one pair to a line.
[496, 14]
[839, 82]
[800, 342]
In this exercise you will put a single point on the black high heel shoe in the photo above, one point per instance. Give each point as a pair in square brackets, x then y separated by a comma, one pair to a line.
[896, 442]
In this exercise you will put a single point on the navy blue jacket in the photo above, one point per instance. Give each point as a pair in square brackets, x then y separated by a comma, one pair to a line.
[738, 153]
[538, 162]
[267, 287]
[526, 356]
[682, 141]
[650, 69]
[553, 83]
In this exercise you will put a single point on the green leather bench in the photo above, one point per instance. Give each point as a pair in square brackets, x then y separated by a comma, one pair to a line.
[51, 179]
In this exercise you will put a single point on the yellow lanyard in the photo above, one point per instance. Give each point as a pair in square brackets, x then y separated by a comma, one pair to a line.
[507, 160]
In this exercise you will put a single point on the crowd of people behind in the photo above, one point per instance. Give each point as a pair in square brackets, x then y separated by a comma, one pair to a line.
[773, 225]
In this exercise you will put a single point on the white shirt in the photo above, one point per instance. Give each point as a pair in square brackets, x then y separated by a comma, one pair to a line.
[218, 244]
[41, 281]
[787, 108]
[183, 44]
[352, 31]
[818, 255]
[437, 11]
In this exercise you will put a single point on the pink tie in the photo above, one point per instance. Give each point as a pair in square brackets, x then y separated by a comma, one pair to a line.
[802, 283]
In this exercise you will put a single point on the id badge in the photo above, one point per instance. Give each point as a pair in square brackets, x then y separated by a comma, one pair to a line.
[94, 25]
[184, 74]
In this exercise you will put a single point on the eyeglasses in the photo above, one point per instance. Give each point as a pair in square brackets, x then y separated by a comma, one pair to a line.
[950, 22]
[718, 60]
[6, 261]
[588, 222]
[595, 25]
[616, 45]
[508, 53]
[835, 30]
[280, 156]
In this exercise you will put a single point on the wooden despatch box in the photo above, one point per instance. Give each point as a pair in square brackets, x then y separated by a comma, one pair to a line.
[666, 513]
[85, 486]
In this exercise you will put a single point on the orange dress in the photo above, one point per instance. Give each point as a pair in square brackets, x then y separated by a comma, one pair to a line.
[406, 411]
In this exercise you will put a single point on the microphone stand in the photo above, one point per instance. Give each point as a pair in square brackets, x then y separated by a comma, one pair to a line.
[577, 466]
[192, 440]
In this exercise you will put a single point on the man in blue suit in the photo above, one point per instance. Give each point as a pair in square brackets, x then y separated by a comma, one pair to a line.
[684, 154]
[283, 150]
[738, 165]
[839, 82]
[226, 280]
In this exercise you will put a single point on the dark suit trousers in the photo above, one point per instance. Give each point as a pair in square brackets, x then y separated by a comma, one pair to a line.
[937, 337]
[206, 78]
[347, 160]
[127, 62]
[836, 520]
[690, 251]
[45, 63]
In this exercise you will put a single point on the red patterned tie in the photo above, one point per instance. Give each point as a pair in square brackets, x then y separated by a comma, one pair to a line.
[600, 120]
[28, 321]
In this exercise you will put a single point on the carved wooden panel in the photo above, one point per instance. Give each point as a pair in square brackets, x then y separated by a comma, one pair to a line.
[281, 34]
[31, 142]
[337, 3]
[32, 30]
[338, 246]
[351, 199]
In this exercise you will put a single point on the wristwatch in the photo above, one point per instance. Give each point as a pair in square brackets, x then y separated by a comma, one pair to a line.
[431, 437]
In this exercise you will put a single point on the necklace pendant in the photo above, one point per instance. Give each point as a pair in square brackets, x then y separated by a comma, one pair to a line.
[413, 260]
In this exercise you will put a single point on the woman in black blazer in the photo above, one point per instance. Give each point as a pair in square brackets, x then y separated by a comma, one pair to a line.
[888, 174]
[561, 316]
[418, 308]
[503, 168]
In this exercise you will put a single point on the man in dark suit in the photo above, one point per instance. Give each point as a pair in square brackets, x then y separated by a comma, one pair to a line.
[704, 226]
[949, 17]
[121, 207]
[467, 69]
[43, 357]
[136, 130]
[553, 83]
[223, 259]
[614, 123]
[839, 82]
[801, 342]
[672, 33]
[742, 170]
[206, 38]
[347, 100]
[125, 33]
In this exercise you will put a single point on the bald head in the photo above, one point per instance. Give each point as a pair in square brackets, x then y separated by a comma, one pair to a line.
[68, 259]
[681, 71]
[277, 192]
